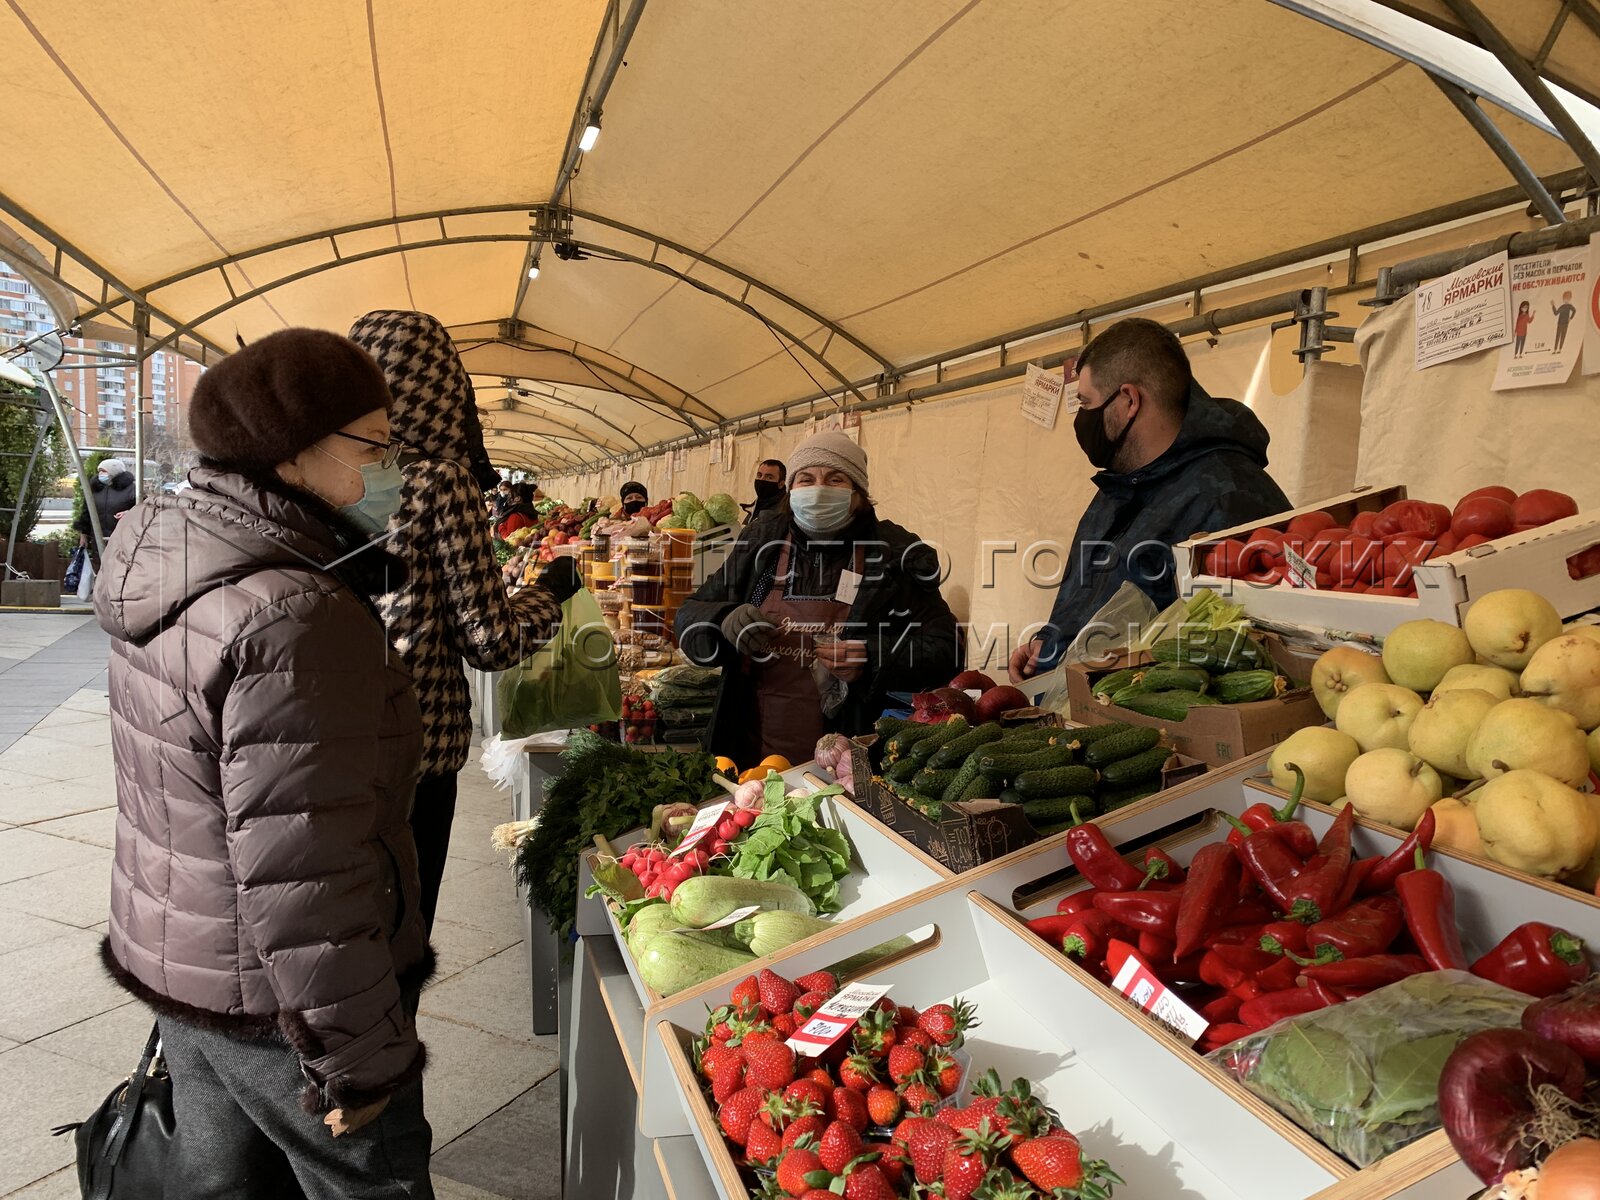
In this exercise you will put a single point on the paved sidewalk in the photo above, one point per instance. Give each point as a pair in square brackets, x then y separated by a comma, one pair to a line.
[68, 1035]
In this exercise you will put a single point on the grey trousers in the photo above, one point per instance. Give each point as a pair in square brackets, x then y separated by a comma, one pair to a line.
[242, 1135]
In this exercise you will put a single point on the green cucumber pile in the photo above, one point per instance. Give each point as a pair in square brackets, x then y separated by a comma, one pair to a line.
[1057, 775]
[1219, 666]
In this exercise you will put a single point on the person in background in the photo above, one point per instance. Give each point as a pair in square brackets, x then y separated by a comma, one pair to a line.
[520, 513]
[453, 605]
[500, 501]
[634, 497]
[820, 611]
[1172, 461]
[111, 493]
[264, 895]
[770, 474]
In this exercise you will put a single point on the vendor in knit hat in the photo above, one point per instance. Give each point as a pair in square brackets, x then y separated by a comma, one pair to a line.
[821, 610]
[634, 497]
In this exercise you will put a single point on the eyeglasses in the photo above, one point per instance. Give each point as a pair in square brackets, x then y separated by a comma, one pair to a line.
[391, 449]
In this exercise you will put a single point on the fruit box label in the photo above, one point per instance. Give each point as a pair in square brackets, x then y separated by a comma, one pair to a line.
[1299, 572]
[834, 1019]
[704, 822]
[1138, 983]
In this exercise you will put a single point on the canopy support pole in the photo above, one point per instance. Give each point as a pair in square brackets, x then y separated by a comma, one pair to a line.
[1396, 281]
[141, 337]
[1467, 105]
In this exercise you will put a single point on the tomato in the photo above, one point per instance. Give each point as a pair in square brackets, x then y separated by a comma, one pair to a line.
[1443, 546]
[1442, 512]
[1400, 554]
[1224, 559]
[1308, 525]
[1412, 516]
[1363, 522]
[1486, 516]
[1360, 560]
[1499, 493]
[1584, 563]
[1541, 506]
[1471, 540]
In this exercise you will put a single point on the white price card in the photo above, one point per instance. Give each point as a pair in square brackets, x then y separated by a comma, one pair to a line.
[1297, 570]
[732, 918]
[835, 1018]
[1138, 983]
[1464, 312]
[1041, 395]
[704, 822]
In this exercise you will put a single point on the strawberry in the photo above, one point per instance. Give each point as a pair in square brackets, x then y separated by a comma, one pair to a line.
[857, 1073]
[893, 1167]
[919, 1097]
[905, 1015]
[1003, 1185]
[883, 1105]
[1053, 1162]
[818, 1075]
[738, 1110]
[818, 981]
[910, 1035]
[777, 993]
[728, 1080]
[794, 1167]
[819, 1194]
[839, 1146]
[850, 1107]
[867, 1182]
[714, 1057]
[806, 1095]
[784, 1025]
[768, 1064]
[746, 995]
[762, 1144]
[759, 1033]
[809, 1126]
[904, 1062]
[874, 1033]
[967, 1160]
[946, 1023]
[808, 1003]
[945, 1073]
[925, 1142]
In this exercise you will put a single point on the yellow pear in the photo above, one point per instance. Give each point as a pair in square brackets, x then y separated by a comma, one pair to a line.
[1440, 732]
[1530, 822]
[1393, 786]
[1584, 629]
[1594, 751]
[1497, 681]
[1456, 826]
[1507, 626]
[1339, 672]
[1418, 653]
[1565, 673]
[1524, 734]
[1323, 754]
[1586, 875]
[1378, 715]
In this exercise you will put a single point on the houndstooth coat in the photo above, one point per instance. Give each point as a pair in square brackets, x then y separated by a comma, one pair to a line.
[454, 606]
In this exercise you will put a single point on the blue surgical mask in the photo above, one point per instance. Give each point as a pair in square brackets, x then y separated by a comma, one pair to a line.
[819, 510]
[379, 501]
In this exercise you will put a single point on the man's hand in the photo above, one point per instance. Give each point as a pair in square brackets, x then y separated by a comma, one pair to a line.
[1025, 660]
[843, 660]
[348, 1120]
[749, 629]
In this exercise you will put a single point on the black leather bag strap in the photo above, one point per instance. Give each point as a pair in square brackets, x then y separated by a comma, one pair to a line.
[112, 1153]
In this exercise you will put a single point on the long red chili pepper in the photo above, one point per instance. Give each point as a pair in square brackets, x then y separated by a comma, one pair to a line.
[1155, 911]
[1280, 975]
[1223, 1008]
[1088, 935]
[1155, 947]
[1264, 818]
[1270, 1009]
[1268, 858]
[1359, 870]
[1365, 928]
[1536, 959]
[1052, 928]
[1161, 867]
[1291, 935]
[1374, 971]
[1098, 861]
[1079, 901]
[1403, 858]
[1314, 890]
[1429, 904]
[1208, 896]
[1219, 1036]
[1323, 992]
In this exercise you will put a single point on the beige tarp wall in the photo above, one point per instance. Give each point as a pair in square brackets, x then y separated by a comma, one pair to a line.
[971, 470]
[1442, 432]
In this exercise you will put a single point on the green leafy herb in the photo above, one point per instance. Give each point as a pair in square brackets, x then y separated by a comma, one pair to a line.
[788, 843]
[1406, 1078]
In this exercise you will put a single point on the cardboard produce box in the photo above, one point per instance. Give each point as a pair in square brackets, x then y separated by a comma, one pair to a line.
[1217, 734]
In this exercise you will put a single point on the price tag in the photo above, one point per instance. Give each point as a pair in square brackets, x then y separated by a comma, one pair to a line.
[704, 822]
[736, 915]
[1135, 980]
[1298, 571]
[835, 1018]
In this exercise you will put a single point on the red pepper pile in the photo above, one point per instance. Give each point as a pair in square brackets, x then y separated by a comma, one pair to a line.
[1274, 922]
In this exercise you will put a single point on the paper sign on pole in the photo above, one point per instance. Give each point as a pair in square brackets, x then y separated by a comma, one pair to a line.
[834, 1019]
[716, 451]
[727, 452]
[1591, 361]
[1464, 312]
[1041, 395]
[1548, 293]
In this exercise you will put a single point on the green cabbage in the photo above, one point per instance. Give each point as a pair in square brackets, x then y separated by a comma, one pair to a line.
[723, 508]
[700, 521]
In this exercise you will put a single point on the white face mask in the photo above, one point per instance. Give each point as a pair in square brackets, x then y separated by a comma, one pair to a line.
[819, 510]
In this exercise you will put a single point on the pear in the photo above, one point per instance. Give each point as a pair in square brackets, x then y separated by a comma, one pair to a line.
[1565, 673]
[1456, 827]
[1531, 822]
[1323, 754]
[1440, 732]
[1594, 751]
[1379, 715]
[1507, 626]
[1584, 629]
[1524, 734]
[1418, 653]
[1497, 681]
[1340, 671]
[1393, 786]
[1586, 876]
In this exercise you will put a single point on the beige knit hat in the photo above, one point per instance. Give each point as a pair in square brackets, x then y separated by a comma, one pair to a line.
[832, 449]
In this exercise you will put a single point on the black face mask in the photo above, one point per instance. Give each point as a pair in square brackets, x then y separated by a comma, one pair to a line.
[1090, 426]
[768, 489]
[632, 504]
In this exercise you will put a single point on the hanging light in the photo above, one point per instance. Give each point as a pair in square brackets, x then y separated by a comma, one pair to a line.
[533, 271]
[591, 134]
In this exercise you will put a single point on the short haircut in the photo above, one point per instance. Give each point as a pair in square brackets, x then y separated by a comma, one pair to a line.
[1141, 352]
[783, 471]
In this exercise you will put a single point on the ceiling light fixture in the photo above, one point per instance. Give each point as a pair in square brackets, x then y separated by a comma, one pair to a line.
[591, 134]
[533, 271]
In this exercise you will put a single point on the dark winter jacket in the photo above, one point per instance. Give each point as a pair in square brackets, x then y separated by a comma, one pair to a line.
[109, 498]
[266, 743]
[911, 635]
[1212, 477]
[454, 605]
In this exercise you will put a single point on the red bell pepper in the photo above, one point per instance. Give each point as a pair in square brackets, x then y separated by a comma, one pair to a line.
[1365, 928]
[1153, 911]
[1536, 959]
[1270, 1009]
[1366, 974]
[1076, 902]
[1429, 904]
[1316, 888]
[1263, 818]
[1207, 897]
[1388, 869]
[1097, 860]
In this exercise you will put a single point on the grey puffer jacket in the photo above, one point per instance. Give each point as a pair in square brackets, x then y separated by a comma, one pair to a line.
[266, 741]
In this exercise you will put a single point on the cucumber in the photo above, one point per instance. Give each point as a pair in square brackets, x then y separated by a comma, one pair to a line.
[1034, 736]
[1167, 706]
[1052, 810]
[900, 743]
[1010, 796]
[1164, 679]
[1137, 768]
[955, 751]
[1219, 650]
[981, 787]
[1243, 687]
[1087, 735]
[965, 774]
[1120, 797]
[901, 770]
[1008, 765]
[1114, 682]
[1134, 740]
[1056, 781]
[946, 731]
[932, 783]
[1052, 830]
[886, 726]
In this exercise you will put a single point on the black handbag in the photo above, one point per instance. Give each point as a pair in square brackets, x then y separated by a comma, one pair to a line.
[74, 574]
[122, 1147]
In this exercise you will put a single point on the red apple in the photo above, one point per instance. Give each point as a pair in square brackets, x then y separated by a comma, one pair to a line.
[1487, 516]
[1498, 492]
[1541, 506]
[1584, 563]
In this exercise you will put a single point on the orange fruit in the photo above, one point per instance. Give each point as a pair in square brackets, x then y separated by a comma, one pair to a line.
[726, 765]
[776, 762]
[752, 773]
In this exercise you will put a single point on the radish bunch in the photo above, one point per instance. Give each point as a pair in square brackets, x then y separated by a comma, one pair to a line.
[661, 873]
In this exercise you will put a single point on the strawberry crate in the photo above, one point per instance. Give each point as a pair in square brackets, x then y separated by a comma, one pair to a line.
[1560, 561]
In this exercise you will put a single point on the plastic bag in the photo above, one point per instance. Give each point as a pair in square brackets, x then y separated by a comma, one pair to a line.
[75, 566]
[569, 682]
[1118, 624]
[1363, 1076]
[86, 580]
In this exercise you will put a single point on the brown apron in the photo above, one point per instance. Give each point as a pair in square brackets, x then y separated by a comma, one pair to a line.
[788, 705]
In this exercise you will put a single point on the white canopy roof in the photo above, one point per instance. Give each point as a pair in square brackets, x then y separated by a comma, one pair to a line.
[785, 198]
